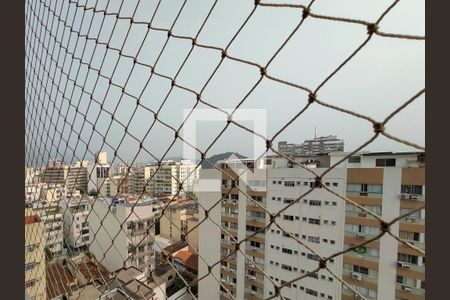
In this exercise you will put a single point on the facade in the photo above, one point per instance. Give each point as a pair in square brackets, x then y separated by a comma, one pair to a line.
[76, 226]
[77, 177]
[132, 245]
[389, 185]
[52, 192]
[54, 173]
[166, 179]
[176, 222]
[240, 218]
[313, 146]
[35, 279]
[386, 183]
[317, 220]
[53, 229]
[99, 175]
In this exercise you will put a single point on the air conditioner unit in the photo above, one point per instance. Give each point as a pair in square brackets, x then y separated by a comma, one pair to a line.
[253, 292]
[361, 236]
[223, 280]
[404, 196]
[403, 265]
[251, 265]
[409, 219]
[414, 197]
[356, 276]
[406, 288]
[363, 215]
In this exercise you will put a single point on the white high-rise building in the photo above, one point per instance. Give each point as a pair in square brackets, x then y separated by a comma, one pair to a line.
[129, 225]
[76, 226]
[385, 183]
[317, 145]
[99, 180]
[317, 220]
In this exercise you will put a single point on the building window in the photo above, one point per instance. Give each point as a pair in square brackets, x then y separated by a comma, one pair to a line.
[315, 202]
[407, 258]
[313, 257]
[385, 162]
[30, 266]
[311, 292]
[30, 283]
[409, 236]
[289, 183]
[29, 248]
[360, 269]
[412, 189]
[286, 267]
[286, 250]
[255, 244]
[354, 159]
[314, 221]
[400, 279]
[367, 188]
[289, 218]
[314, 239]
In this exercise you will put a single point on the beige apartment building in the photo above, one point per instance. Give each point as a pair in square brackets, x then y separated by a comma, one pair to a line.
[166, 178]
[178, 220]
[389, 185]
[35, 279]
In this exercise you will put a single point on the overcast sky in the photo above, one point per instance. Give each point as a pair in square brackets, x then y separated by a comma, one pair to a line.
[380, 78]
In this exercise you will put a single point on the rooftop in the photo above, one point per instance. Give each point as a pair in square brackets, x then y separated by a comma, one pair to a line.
[189, 258]
[58, 280]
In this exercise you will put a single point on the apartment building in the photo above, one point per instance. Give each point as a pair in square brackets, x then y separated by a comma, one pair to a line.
[54, 173]
[52, 192]
[177, 220]
[99, 175]
[240, 218]
[388, 184]
[77, 177]
[139, 179]
[313, 146]
[317, 220]
[169, 176]
[57, 178]
[32, 192]
[35, 279]
[76, 226]
[53, 234]
[129, 225]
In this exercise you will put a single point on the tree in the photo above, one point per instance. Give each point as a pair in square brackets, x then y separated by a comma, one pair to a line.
[48, 254]
[93, 193]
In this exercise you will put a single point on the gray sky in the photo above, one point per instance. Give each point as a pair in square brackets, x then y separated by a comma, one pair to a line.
[380, 78]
